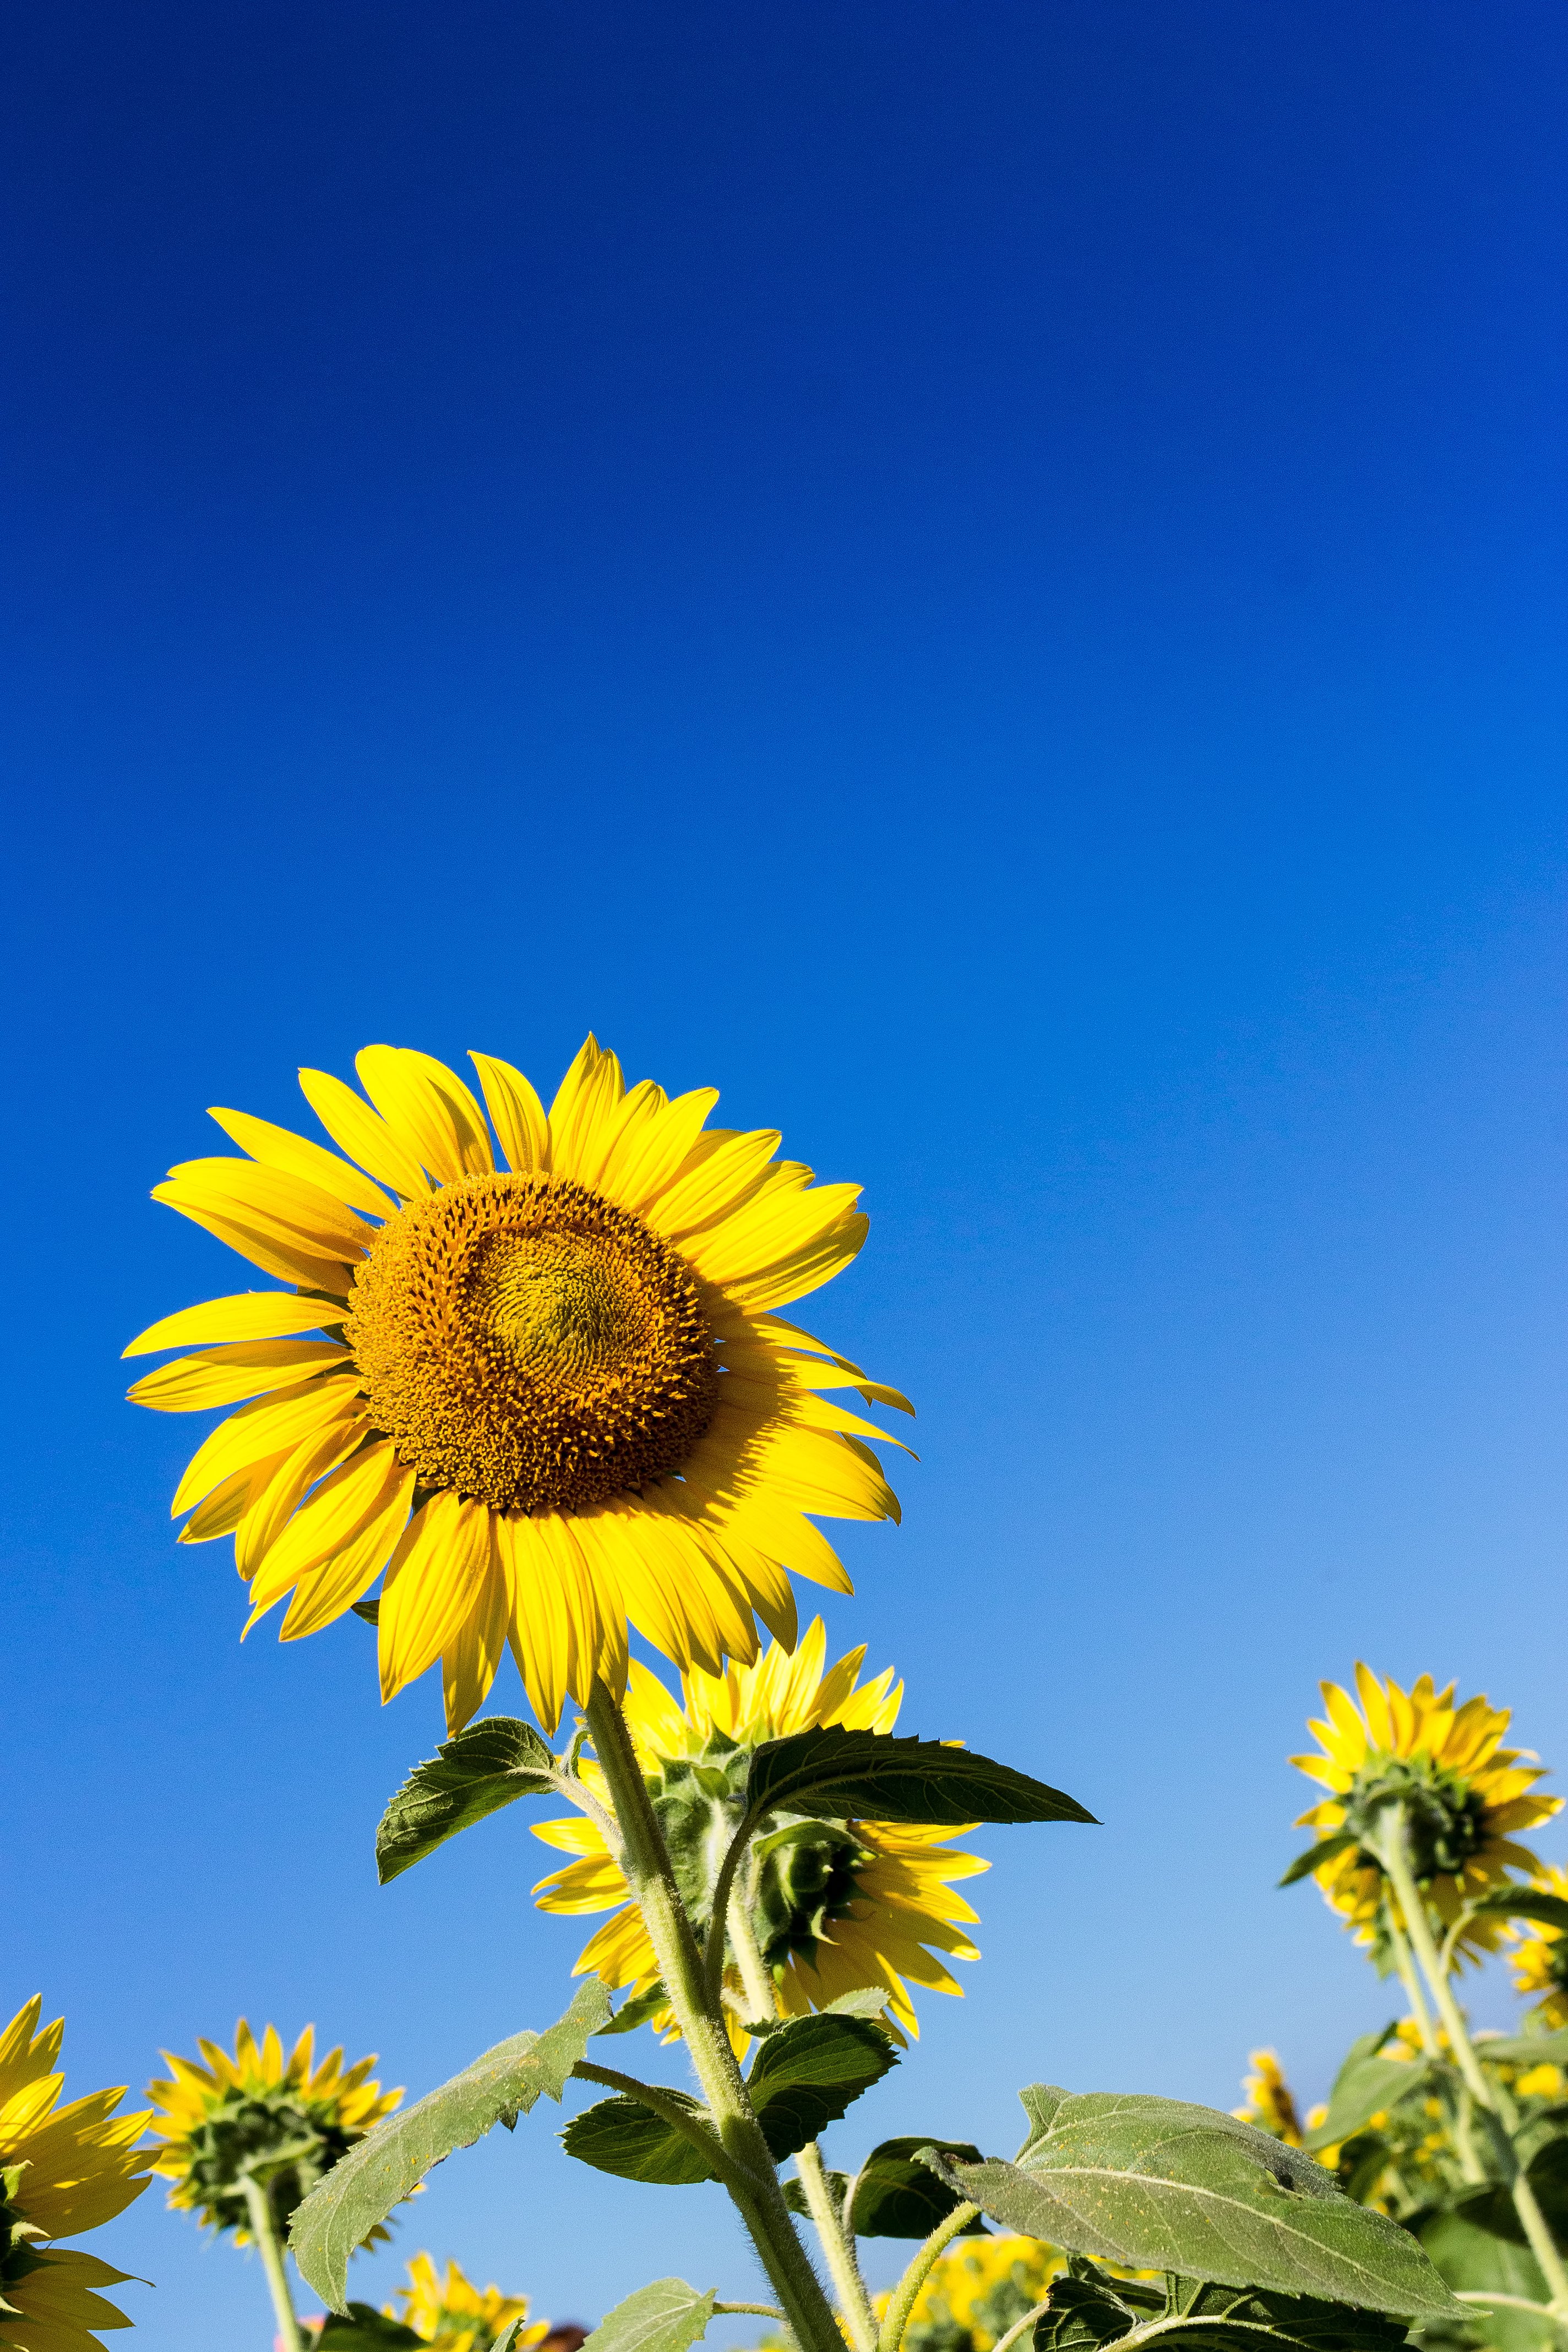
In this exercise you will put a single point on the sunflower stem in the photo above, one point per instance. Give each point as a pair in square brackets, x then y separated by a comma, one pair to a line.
[1019, 2328]
[754, 2184]
[902, 2300]
[1394, 1852]
[270, 2243]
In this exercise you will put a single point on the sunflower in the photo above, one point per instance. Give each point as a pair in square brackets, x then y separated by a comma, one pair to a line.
[285, 2122]
[62, 2169]
[835, 1906]
[1464, 1795]
[976, 2291]
[546, 1398]
[454, 2316]
[1270, 2102]
[1540, 1964]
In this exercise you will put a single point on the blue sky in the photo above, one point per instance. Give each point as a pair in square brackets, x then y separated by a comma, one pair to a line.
[988, 581]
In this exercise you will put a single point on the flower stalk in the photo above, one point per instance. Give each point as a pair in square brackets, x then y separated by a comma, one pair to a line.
[902, 2300]
[270, 2243]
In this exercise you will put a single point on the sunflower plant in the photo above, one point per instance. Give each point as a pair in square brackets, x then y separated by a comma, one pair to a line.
[529, 1386]
[1461, 2136]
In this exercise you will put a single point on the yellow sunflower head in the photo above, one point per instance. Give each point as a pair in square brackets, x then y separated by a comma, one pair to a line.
[544, 1387]
[833, 1905]
[1539, 1960]
[453, 2314]
[283, 2123]
[1270, 2102]
[62, 2171]
[976, 2291]
[1464, 1795]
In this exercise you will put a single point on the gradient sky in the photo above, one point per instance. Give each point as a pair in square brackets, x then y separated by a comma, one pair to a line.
[988, 580]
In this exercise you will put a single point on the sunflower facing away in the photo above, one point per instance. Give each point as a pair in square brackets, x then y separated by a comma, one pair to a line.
[835, 1906]
[221, 2121]
[1270, 2102]
[1540, 1964]
[452, 2314]
[1465, 1795]
[62, 2169]
[545, 1397]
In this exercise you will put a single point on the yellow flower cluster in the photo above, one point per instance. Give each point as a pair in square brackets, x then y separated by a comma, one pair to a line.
[452, 2314]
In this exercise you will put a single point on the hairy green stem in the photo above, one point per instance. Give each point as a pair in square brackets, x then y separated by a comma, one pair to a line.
[1394, 1852]
[1512, 2303]
[902, 2301]
[669, 2109]
[762, 2310]
[1006, 2343]
[754, 2184]
[270, 2243]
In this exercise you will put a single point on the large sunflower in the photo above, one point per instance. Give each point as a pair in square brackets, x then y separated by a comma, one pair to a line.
[836, 1906]
[546, 1398]
[1540, 1964]
[62, 2169]
[1464, 1795]
[452, 2314]
[289, 2119]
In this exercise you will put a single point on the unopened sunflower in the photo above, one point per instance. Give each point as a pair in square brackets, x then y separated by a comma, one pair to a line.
[1540, 1962]
[1464, 1795]
[62, 2171]
[258, 2117]
[452, 2314]
[546, 1397]
[833, 1905]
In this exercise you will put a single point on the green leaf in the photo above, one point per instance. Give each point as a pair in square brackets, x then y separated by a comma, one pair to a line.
[896, 2196]
[1159, 2184]
[871, 2001]
[1316, 1855]
[1524, 1903]
[1472, 2259]
[633, 2013]
[1365, 2088]
[795, 2197]
[838, 1775]
[1494, 2210]
[668, 2316]
[1086, 2311]
[508, 2340]
[809, 2072]
[390, 2162]
[1525, 2049]
[491, 1764]
[1039, 2101]
[623, 2136]
[363, 2328]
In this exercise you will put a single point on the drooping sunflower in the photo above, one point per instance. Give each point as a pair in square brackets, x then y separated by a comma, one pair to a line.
[976, 2291]
[452, 2314]
[837, 1906]
[545, 1397]
[235, 2116]
[1540, 1961]
[1270, 2102]
[62, 2171]
[1464, 1794]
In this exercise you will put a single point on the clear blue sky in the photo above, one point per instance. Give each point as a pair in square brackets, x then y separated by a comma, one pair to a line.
[989, 579]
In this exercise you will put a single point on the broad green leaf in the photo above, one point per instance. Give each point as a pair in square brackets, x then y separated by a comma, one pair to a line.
[1524, 1903]
[795, 2197]
[491, 1764]
[1365, 2089]
[1159, 2184]
[1039, 2101]
[1086, 2311]
[1525, 2049]
[668, 2316]
[1494, 2210]
[390, 2162]
[1472, 2260]
[871, 2002]
[508, 2340]
[363, 2328]
[897, 2197]
[1316, 1855]
[635, 2012]
[623, 2136]
[809, 2072]
[838, 1775]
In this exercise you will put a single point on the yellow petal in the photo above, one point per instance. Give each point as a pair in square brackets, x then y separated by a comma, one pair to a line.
[350, 1120]
[436, 1576]
[252, 1315]
[662, 1145]
[276, 1201]
[278, 1147]
[325, 1593]
[341, 1509]
[429, 1109]
[260, 1243]
[277, 1495]
[468, 1665]
[712, 1182]
[269, 1427]
[516, 1114]
[226, 1375]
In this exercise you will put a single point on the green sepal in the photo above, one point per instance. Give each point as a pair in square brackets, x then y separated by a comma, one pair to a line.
[668, 2316]
[623, 2138]
[838, 1775]
[363, 2328]
[1522, 1902]
[1160, 2184]
[389, 2163]
[809, 2072]
[898, 2196]
[490, 1764]
[1365, 2087]
[1086, 2311]
[1316, 1855]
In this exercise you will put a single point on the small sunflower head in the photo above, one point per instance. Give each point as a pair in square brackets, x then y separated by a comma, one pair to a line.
[1540, 1958]
[1462, 1793]
[451, 2315]
[255, 2117]
[1270, 2102]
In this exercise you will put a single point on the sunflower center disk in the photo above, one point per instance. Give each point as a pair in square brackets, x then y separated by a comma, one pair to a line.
[529, 1345]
